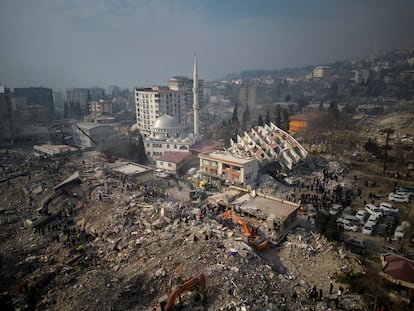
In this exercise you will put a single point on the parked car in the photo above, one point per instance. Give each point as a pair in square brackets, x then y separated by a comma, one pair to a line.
[391, 214]
[398, 197]
[401, 230]
[334, 210]
[388, 207]
[350, 227]
[368, 229]
[372, 220]
[355, 242]
[361, 215]
[355, 245]
[405, 191]
[373, 210]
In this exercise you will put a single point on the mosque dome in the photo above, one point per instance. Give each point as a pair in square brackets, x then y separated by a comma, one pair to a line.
[166, 122]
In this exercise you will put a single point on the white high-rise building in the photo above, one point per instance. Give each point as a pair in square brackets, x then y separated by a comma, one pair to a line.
[153, 102]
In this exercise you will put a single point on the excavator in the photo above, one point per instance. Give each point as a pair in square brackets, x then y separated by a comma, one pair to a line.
[199, 281]
[255, 238]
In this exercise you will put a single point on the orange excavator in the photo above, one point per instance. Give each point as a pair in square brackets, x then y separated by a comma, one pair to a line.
[256, 239]
[199, 281]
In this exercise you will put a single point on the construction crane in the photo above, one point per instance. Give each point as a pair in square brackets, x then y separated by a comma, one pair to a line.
[199, 281]
[255, 238]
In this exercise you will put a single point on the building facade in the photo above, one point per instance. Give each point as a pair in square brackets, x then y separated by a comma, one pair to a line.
[228, 168]
[167, 135]
[172, 161]
[100, 107]
[154, 102]
[77, 95]
[38, 96]
[6, 116]
[89, 134]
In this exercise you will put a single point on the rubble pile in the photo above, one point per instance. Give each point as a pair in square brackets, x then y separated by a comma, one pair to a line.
[95, 244]
[311, 260]
[270, 186]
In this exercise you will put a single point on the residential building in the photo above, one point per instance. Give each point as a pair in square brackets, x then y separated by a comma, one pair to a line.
[59, 101]
[114, 91]
[153, 102]
[38, 96]
[222, 166]
[89, 134]
[361, 76]
[131, 172]
[32, 114]
[182, 83]
[247, 96]
[96, 93]
[77, 95]
[398, 274]
[269, 143]
[6, 116]
[302, 121]
[321, 72]
[172, 161]
[50, 151]
[186, 85]
[100, 107]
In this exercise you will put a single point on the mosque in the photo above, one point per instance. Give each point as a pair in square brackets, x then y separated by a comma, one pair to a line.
[161, 118]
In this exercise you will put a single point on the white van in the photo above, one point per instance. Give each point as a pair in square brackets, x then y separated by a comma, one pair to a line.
[373, 210]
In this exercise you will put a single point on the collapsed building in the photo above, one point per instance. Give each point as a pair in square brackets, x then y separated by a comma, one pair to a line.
[269, 143]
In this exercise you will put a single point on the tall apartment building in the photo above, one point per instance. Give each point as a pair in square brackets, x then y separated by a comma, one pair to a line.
[6, 116]
[38, 96]
[321, 72]
[247, 96]
[96, 93]
[153, 102]
[179, 83]
[77, 95]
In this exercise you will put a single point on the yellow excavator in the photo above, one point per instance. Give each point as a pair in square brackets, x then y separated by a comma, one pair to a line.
[255, 238]
[198, 281]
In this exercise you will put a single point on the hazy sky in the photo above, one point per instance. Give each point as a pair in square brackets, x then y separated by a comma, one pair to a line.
[83, 43]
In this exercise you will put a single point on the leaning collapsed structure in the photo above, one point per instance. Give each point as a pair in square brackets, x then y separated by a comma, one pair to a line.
[270, 143]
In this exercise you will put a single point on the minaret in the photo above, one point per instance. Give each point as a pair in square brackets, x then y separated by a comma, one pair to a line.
[195, 98]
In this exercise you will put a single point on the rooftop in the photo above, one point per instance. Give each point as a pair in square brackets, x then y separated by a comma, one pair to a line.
[130, 169]
[173, 157]
[269, 206]
[90, 125]
[226, 157]
[206, 146]
[398, 268]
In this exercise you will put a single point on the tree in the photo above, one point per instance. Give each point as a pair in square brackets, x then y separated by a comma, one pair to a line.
[66, 111]
[387, 131]
[260, 121]
[321, 106]
[278, 115]
[267, 120]
[235, 116]
[288, 98]
[245, 120]
[142, 155]
[301, 105]
[284, 124]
